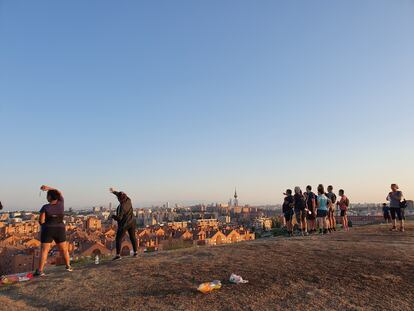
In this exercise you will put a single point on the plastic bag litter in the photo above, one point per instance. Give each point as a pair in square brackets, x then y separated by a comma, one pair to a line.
[237, 279]
[209, 286]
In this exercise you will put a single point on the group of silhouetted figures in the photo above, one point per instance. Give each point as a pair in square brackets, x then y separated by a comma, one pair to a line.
[317, 211]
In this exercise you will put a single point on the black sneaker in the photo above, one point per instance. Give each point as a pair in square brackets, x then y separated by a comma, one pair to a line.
[135, 254]
[38, 273]
[117, 257]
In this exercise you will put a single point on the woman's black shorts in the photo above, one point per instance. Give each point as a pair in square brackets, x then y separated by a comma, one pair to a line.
[321, 213]
[343, 213]
[288, 215]
[397, 211]
[53, 233]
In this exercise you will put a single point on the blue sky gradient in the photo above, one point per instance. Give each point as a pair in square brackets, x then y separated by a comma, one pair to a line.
[183, 100]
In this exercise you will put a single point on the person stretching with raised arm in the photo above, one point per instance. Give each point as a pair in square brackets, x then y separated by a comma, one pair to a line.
[126, 222]
[52, 228]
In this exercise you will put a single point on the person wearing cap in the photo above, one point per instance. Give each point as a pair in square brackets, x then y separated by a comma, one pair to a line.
[126, 222]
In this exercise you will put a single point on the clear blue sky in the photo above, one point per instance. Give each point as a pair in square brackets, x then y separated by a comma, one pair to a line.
[184, 100]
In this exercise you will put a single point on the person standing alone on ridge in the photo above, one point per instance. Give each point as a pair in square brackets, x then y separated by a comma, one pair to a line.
[395, 197]
[126, 222]
[52, 228]
[343, 205]
[331, 212]
[311, 205]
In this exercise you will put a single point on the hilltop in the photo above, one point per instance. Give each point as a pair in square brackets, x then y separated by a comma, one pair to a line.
[368, 268]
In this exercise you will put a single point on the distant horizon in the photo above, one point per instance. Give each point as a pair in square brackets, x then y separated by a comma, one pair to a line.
[147, 205]
[175, 100]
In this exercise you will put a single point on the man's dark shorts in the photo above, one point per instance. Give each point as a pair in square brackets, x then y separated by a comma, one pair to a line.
[396, 211]
[310, 215]
[343, 213]
[49, 234]
[321, 213]
[288, 215]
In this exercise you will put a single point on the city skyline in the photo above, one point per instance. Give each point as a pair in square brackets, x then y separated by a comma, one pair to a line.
[181, 102]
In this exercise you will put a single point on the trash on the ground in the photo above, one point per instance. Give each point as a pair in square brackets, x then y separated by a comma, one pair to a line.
[237, 279]
[97, 260]
[209, 286]
[14, 278]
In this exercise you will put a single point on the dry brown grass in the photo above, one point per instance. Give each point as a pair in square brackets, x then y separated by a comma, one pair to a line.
[368, 268]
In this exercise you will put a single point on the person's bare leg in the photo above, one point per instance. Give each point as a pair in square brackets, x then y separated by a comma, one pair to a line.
[402, 225]
[63, 248]
[44, 252]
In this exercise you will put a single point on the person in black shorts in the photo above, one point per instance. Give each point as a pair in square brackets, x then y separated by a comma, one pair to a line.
[126, 222]
[287, 209]
[395, 197]
[310, 198]
[300, 210]
[52, 228]
[331, 211]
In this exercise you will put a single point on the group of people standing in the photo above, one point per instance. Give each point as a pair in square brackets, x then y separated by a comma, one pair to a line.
[314, 211]
[53, 227]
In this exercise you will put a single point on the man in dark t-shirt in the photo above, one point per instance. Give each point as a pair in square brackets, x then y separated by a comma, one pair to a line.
[287, 209]
[311, 206]
[300, 210]
[331, 212]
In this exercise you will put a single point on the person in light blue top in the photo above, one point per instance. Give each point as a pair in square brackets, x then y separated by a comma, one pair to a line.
[322, 205]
